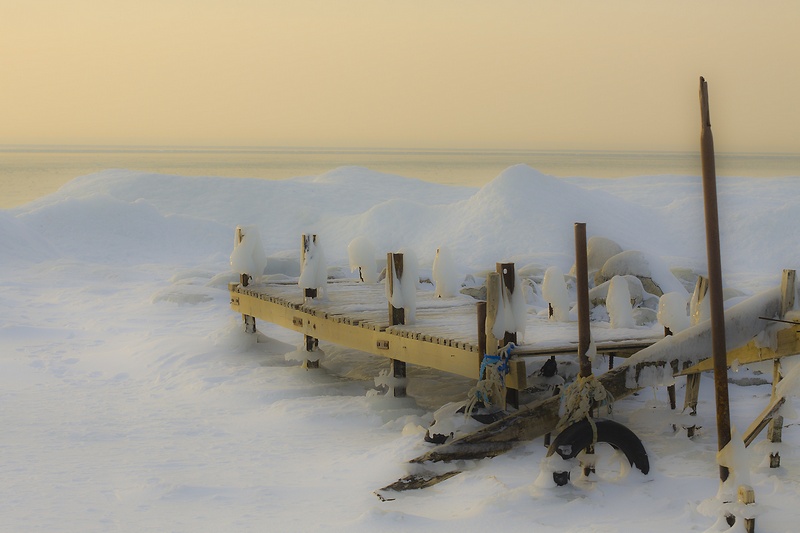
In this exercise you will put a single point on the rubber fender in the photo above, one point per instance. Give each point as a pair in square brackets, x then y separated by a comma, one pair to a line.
[578, 436]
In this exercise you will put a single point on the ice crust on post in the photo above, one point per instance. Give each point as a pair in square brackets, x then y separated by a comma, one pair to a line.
[554, 291]
[618, 303]
[361, 254]
[248, 256]
[313, 271]
[672, 312]
[445, 276]
[405, 289]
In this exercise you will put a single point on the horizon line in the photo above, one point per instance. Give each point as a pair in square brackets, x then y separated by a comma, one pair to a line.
[26, 148]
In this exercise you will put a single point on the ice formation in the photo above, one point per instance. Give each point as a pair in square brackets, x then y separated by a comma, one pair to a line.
[618, 303]
[672, 312]
[554, 291]
[404, 294]
[361, 253]
[313, 271]
[248, 255]
[445, 276]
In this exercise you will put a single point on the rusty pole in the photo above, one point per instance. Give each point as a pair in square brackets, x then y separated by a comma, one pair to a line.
[582, 275]
[718, 348]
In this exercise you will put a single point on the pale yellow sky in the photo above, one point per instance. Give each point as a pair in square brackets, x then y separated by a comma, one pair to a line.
[402, 73]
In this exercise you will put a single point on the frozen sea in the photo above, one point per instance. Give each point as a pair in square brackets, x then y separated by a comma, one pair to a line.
[27, 172]
[131, 399]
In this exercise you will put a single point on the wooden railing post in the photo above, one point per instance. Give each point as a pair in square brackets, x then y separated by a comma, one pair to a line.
[394, 269]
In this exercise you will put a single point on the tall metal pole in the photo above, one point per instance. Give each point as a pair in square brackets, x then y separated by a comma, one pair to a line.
[582, 275]
[718, 348]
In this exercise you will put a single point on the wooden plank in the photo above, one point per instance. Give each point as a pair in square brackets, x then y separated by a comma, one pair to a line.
[762, 420]
[788, 343]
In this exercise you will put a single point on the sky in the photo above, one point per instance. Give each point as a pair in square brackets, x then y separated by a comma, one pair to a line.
[506, 74]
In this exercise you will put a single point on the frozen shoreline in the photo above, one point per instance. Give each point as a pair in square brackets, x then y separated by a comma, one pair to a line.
[132, 401]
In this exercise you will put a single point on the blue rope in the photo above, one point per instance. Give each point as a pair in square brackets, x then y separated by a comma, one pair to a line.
[502, 358]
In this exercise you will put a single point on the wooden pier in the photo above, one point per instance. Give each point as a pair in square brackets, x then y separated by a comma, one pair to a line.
[444, 336]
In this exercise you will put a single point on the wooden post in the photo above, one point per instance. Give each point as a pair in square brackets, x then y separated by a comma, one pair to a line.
[747, 496]
[394, 268]
[397, 316]
[775, 428]
[582, 275]
[693, 380]
[670, 388]
[311, 343]
[244, 279]
[584, 332]
[493, 303]
[718, 348]
[506, 271]
[481, 313]
[307, 241]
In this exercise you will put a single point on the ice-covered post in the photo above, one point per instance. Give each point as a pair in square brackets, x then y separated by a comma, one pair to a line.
[696, 306]
[494, 301]
[394, 271]
[244, 278]
[775, 428]
[672, 315]
[506, 271]
[718, 347]
[309, 242]
[508, 276]
[248, 259]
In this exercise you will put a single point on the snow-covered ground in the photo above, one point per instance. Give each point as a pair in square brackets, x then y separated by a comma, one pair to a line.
[131, 399]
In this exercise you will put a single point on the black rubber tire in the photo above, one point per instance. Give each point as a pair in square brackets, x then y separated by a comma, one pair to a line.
[578, 436]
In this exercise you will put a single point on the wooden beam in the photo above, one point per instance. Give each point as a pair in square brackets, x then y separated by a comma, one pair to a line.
[788, 343]
[453, 359]
[762, 420]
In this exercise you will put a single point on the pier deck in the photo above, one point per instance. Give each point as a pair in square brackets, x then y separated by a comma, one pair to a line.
[443, 335]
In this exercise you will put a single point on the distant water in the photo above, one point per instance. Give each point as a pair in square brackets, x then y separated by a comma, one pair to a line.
[28, 172]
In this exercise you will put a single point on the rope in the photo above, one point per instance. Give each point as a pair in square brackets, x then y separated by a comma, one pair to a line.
[491, 386]
[579, 398]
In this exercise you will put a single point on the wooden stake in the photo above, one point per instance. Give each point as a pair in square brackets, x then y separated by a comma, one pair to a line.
[718, 349]
[747, 496]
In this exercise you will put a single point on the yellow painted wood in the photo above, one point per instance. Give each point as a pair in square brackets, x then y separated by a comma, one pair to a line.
[788, 344]
[394, 343]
